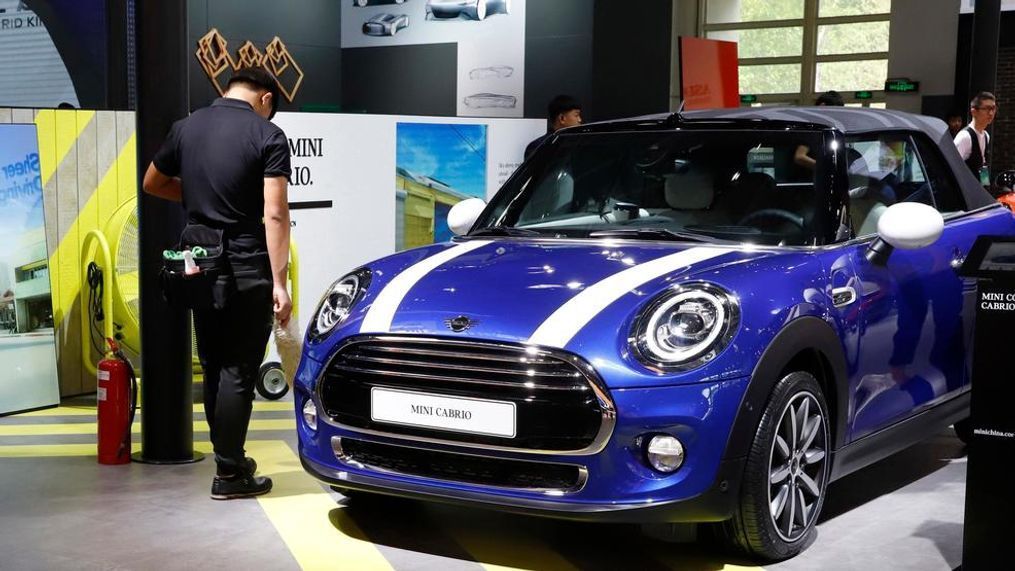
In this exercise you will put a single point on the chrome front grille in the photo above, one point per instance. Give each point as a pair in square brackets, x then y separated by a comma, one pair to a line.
[560, 404]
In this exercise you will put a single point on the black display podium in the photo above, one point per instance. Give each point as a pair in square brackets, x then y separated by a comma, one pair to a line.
[990, 485]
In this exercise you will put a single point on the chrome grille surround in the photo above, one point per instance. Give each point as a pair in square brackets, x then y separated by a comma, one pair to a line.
[524, 355]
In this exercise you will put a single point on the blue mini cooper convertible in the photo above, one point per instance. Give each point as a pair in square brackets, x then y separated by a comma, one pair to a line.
[699, 317]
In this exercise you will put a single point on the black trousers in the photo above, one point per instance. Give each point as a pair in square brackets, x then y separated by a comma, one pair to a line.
[231, 344]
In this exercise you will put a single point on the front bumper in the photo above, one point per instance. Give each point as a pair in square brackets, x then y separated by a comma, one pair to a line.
[716, 504]
[618, 485]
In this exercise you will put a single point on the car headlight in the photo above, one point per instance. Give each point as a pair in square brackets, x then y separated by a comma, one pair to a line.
[338, 302]
[685, 327]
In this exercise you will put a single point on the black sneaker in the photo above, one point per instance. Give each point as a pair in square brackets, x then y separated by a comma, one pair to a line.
[224, 488]
[249, 464]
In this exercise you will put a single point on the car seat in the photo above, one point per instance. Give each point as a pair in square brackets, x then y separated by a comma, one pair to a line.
[689, 188]
[868, 198]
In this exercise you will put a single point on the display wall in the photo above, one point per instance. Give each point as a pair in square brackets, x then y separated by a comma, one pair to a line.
[26, 310]
[88, 169]
[307, 30]
[34, 73]
[427, 67]
[364, 186]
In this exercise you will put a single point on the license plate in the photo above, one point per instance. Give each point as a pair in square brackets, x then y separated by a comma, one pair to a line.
[457, 414]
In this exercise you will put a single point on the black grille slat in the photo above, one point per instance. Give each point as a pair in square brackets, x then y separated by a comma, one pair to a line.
[557, 405]
[448, 466]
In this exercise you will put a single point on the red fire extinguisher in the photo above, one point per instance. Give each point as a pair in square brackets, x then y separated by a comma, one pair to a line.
[117, 402]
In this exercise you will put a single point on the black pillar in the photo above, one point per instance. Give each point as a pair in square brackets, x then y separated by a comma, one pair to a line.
[986, 31]
[167, 432]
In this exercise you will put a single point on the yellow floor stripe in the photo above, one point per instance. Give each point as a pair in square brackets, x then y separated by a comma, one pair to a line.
[669, 555]
[60, 450]
[318, 532]
[90, 427]
[90, 409]
[512, 548]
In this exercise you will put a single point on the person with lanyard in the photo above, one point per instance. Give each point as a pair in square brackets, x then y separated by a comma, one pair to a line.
[229, 166]
[973, 142]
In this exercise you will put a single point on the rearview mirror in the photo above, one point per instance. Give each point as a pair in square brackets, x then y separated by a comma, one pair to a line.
[463, 215]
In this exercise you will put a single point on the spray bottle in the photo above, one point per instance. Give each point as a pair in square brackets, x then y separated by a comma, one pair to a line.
[189, 267]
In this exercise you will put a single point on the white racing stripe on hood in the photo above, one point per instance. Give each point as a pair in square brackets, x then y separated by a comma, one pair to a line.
[568, 320]
[382, 311]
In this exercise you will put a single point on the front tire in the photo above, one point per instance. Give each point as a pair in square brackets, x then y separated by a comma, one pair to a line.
[786, 474]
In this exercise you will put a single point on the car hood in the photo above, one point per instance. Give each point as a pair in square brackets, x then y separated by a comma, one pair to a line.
[524, 291]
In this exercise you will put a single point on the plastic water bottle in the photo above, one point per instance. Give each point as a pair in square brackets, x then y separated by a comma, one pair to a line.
[189, 267]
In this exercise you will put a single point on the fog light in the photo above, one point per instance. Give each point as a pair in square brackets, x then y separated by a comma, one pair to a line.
[310, 414]
[664, 453]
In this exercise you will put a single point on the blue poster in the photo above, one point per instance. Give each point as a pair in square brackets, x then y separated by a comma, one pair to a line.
[437, 166]
[26, 308]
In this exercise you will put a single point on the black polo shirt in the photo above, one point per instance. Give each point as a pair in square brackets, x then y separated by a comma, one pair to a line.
[221, 154]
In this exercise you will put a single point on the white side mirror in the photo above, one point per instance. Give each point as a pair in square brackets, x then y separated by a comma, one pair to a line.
[910, 225]
[463, 215]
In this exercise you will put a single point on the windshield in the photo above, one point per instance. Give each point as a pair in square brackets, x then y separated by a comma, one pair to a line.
[734, 185]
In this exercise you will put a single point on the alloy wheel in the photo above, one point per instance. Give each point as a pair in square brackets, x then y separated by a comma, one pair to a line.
[797, 467]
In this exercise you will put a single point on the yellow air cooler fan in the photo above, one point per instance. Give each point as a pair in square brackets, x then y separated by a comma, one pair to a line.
[121, 310]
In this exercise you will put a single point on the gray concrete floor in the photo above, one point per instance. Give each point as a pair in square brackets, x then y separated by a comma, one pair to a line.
[67, 512]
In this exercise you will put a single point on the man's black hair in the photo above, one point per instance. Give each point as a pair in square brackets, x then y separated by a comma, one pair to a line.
[830, 97]
[980, 98]
[258, 78]
[561, 104]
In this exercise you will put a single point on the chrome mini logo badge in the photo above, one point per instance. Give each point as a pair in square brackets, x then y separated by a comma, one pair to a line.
[460, 323]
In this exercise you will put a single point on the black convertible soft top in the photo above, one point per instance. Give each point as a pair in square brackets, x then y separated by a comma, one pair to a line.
[847, 120]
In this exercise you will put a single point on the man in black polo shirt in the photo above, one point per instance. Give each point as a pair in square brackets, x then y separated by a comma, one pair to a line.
[229, 166]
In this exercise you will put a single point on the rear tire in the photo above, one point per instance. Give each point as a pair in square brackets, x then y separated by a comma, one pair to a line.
[964, 430]
[786, 474]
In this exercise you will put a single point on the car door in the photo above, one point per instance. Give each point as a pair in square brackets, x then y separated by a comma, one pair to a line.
[914, 329]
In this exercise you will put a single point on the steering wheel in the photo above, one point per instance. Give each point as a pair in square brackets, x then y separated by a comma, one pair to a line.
[778, 213]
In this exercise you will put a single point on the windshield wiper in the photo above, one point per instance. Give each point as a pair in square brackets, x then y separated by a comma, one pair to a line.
[652, 234]
[503, 231]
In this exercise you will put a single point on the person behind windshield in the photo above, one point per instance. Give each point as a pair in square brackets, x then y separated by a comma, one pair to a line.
[955, 123]
[828, 98]
[563, 111]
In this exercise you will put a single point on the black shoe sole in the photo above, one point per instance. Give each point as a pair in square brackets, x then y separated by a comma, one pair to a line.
[239, 495]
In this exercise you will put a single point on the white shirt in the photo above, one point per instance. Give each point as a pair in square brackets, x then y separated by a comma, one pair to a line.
[964, 143]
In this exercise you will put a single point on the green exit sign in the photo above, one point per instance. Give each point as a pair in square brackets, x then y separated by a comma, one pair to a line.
[748, 98]
[902, 86]
[863, 95]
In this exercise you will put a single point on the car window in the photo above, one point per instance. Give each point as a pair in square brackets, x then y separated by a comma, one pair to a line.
[947, 196]
[888, 168]
[728, 185]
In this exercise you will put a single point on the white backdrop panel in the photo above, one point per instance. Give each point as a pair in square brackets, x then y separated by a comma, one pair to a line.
[349, 160]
